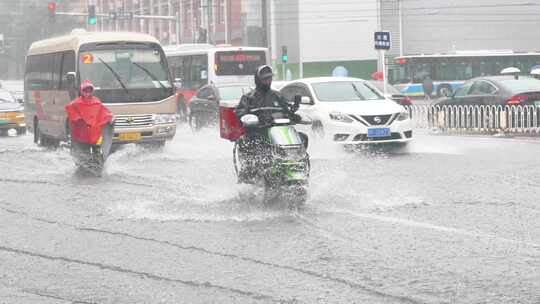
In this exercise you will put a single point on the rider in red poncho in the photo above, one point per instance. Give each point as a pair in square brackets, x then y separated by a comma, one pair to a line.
[87, 116]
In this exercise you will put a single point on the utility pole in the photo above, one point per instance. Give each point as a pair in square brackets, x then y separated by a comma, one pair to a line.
[264, 13]
[300, 55]
[272, 25]
[400, 3]
[226, 19]
[208, 16]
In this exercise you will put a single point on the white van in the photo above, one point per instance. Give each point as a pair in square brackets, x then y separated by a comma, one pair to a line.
[130, 74]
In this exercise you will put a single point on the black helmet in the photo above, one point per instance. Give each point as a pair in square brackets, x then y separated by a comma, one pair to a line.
[263, 72]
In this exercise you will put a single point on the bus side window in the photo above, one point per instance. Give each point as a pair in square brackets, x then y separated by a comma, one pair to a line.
[32, 73]
[56, 71]
[199, 68]
[186, 74]
[68, 65]
[46, 69]
[177, 68]
[39, 72]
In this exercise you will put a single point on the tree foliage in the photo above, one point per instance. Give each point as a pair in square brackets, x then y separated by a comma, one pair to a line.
[24, 21]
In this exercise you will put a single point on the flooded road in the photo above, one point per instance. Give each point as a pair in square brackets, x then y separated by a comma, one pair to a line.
[451, 220]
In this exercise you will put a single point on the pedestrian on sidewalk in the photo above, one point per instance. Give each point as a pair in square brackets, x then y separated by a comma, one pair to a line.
[427, 86]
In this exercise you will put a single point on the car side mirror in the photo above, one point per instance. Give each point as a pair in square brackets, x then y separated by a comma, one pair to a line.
[71, 77]
[178, 83]
[20, 100]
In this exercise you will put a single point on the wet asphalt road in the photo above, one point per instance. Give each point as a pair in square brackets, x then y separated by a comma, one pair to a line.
[451, 220]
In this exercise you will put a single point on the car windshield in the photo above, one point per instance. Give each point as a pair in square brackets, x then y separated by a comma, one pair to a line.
[233, 92]
[380, 86]
[344, 91]
[6, 97]
[521, 85]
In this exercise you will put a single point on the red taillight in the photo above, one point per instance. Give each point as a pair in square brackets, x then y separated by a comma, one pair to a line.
[407, 101]
[516, 100]
[400, 61]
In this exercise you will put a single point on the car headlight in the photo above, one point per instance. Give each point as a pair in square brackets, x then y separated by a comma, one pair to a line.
[403, 116]
[340, 117]
[165, 118]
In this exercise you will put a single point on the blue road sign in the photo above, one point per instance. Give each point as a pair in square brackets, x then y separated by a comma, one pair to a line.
[382, 40]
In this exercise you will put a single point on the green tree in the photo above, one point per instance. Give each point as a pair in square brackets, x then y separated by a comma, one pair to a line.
[22, 23]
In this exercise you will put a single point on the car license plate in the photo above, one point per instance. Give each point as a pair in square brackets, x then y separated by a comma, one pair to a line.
[537, 104]
[378, 132]
[134, 136]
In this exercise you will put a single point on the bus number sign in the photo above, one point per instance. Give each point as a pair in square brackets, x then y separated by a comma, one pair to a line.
[87, 58]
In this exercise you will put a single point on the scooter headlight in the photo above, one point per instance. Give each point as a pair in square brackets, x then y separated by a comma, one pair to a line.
[165, 118]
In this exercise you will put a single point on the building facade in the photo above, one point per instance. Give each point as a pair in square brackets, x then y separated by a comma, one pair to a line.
[331, 36]
[443, 26]
[328, 38]
[212, 21]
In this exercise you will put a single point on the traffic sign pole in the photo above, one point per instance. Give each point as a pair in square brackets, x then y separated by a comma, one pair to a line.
[382, 44]
[383, 57]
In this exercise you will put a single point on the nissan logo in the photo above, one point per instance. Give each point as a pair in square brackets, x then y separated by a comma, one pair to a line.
[377, 119]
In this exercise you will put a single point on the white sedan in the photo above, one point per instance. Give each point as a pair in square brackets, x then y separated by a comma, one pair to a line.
[349, 111]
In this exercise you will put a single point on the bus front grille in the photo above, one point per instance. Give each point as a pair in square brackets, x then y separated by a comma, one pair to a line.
[131, 121]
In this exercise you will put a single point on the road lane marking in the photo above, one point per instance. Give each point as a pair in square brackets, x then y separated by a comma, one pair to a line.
[429, 226]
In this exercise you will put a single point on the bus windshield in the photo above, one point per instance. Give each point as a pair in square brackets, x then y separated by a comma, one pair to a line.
[230, 63]
[126, 74]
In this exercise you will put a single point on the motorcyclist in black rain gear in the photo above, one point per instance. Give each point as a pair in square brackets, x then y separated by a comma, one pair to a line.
[264, 96]
[252, 144]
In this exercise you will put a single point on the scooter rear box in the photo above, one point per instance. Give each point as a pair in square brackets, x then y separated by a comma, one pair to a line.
[230, 126]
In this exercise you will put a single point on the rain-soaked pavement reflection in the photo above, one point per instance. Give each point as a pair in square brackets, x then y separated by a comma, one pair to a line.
[449, 220]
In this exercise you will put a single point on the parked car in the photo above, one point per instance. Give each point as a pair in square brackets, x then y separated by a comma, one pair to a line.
[278, 84]
[495, 90]
[11, 113]
[506, 93]
[204, 106]
[350, 111]
[391, 93]
[15, 87]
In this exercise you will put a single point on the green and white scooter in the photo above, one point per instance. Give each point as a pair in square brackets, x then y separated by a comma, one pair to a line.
[278, 161]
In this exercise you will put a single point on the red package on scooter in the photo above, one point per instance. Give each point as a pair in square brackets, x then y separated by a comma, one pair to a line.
[230, 126]
[87, 116]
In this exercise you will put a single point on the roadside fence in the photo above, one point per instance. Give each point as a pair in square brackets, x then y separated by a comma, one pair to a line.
[478, 119]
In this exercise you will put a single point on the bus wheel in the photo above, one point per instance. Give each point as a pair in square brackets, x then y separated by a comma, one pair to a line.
[41, 139]
[21, 131]
[444, 90]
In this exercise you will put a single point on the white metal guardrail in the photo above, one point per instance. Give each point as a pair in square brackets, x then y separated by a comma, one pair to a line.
[481, 118]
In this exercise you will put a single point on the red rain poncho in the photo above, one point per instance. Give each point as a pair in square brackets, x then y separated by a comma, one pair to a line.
[87, 116]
